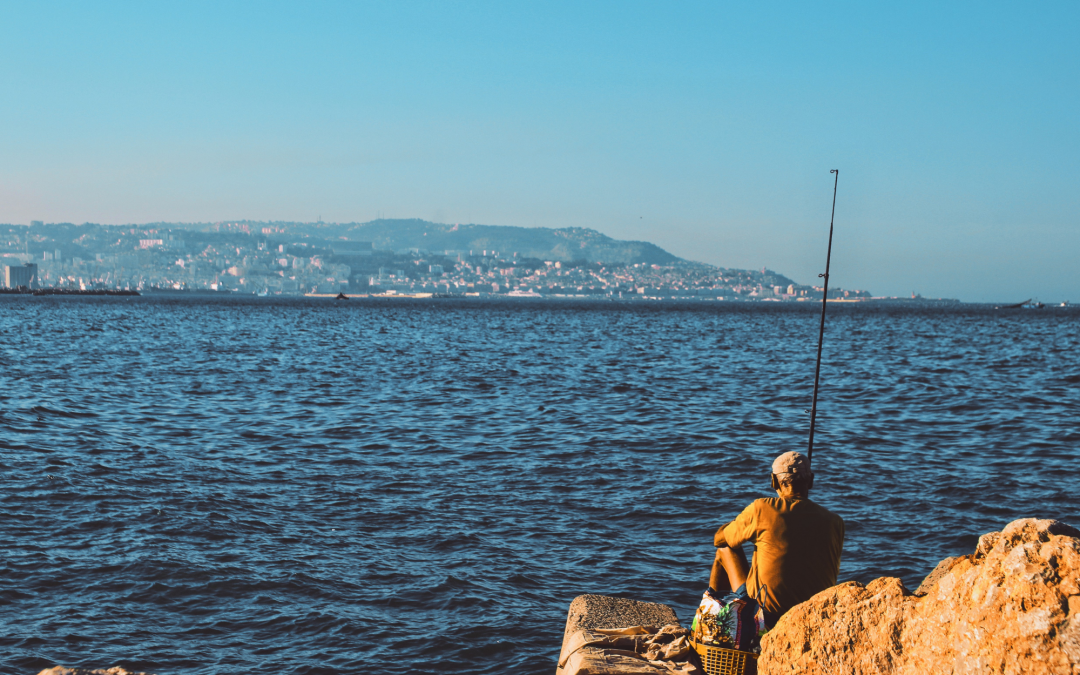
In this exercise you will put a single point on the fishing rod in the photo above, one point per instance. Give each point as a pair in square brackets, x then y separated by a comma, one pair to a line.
[821, 331]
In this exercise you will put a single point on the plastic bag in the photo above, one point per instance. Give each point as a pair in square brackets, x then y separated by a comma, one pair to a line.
[733, 622]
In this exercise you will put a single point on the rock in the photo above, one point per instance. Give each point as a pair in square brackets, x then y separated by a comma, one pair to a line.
[1011, 607]
[941, 570]
[602, 611]
[115, 670]
[616, 636]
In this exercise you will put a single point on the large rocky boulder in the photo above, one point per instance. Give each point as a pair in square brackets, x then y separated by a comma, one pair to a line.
[1013, 606]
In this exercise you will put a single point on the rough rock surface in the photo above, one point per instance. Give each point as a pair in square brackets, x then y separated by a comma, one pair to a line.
[61, 670]
[1011, 607]
[941, 570]
[602, 611]
[616, 636]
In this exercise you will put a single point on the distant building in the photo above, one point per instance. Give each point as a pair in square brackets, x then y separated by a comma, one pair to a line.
[435, 269]
[16, 276]
[172, 244]
[36, 223]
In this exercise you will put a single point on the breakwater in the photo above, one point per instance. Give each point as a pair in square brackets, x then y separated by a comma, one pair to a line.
[1011, 606]
[68, 291]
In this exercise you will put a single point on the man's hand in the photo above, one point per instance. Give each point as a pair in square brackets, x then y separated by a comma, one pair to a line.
[718, 539]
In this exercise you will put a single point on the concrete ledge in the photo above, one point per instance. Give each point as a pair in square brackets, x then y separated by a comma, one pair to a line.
[587, 652]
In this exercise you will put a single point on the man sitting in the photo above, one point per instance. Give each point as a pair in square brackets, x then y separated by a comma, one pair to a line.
[797, 552]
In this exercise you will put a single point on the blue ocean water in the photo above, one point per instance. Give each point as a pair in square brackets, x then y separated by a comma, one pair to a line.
[208, 485]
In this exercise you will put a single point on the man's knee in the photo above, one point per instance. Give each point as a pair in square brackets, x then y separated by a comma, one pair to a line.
[726, 558]
[732, 558]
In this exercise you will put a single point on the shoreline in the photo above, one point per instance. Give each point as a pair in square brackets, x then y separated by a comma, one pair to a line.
[631, 299]
[1012, 606]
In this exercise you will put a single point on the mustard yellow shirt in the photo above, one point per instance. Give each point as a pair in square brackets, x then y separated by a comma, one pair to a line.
[798, 545]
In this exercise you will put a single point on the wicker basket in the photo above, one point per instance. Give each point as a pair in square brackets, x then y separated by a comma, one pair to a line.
[723, 661]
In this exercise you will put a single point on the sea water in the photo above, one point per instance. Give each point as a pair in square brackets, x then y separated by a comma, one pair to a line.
[207, 485]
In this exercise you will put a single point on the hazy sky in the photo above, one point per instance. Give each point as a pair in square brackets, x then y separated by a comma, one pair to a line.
[706, 128]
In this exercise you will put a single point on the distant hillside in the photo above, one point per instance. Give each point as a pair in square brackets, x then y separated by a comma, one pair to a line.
[566, 244]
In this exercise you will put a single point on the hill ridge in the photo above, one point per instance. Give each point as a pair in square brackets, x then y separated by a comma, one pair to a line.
[565, 244]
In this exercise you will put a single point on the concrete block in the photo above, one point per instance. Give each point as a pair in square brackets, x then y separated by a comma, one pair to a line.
[590, 612]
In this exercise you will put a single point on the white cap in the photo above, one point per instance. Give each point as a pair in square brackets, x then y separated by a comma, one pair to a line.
[794, 463]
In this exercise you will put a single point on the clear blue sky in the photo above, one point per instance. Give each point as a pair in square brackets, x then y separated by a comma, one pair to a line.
[707, 128]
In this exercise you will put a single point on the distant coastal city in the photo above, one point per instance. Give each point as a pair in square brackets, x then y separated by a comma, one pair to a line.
[382, 258]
